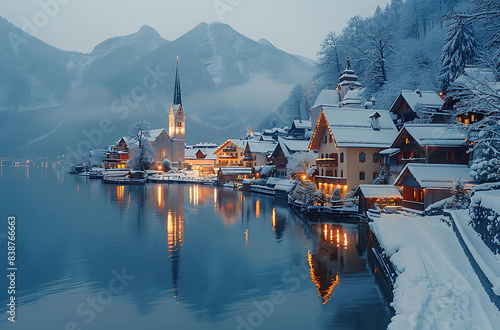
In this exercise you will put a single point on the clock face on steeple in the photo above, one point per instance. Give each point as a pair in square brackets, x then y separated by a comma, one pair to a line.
[351, 86]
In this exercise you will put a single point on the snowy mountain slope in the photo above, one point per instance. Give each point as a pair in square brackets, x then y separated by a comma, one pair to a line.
[228, 81]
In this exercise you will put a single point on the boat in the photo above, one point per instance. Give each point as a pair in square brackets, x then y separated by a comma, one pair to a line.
[135, 178]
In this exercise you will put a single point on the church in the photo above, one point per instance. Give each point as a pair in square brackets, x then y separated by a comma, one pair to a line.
[171, 144]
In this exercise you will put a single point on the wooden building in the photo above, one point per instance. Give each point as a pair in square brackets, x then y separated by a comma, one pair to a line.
[283, 151]
[382, 195]
[406, 105]
[425, 144]
[425, 184]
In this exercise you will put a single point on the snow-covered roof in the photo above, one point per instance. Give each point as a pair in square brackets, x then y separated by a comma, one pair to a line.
[437, 176]
[273, 181]
[352, 97]
[239, 143]
[260, 147]
[303, 124]
[428, 99]
[285, 185]
[435, 135]
[327, 97]
[390, 151]
[353, 128]
[205, 145]
[471, 77]
[378, 191]
[236, 170]
[153, 135]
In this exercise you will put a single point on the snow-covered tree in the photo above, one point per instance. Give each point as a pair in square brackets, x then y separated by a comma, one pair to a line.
[477, 93]
[460, 198]
[166, 165]
[336, 194]
[459, 50]
[300, 162]
[486, 164]
[382, 176]
[142, 154]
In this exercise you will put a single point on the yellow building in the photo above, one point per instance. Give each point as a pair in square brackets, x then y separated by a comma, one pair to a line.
[348, 142]
[230, 153]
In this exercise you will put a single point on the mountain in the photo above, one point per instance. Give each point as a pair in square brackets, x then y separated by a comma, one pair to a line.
[228, 82]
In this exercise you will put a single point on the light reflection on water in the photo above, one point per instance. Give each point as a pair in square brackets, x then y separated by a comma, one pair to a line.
[201, 256]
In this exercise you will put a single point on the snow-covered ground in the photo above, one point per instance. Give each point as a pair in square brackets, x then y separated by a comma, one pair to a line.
[436, 287]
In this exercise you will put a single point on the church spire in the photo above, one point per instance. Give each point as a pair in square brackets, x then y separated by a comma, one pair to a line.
[177, 89]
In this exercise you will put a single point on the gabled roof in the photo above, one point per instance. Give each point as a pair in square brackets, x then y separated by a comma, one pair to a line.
[378, 191]
[239, 143]
[352, 128]
[433, 135]
[259, 147]
[153, 133]
[290, 147]
[327, 97]
[428, 99]
[301, 124]
[436, 176]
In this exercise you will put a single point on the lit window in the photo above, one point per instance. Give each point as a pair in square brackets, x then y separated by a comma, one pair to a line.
[375, 175]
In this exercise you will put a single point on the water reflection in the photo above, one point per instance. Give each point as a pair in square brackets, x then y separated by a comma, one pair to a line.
[201, 256]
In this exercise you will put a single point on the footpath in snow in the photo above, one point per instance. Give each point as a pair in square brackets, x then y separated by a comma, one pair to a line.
[436, 287]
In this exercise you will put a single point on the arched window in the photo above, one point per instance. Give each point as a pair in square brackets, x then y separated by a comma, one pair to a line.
[362, 157]
[341, 157]
[341, 173]
[162, 155]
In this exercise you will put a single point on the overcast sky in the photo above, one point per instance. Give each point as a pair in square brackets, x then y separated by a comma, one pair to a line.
[295, 26]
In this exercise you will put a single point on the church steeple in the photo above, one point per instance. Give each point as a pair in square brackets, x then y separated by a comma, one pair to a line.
[177, 89]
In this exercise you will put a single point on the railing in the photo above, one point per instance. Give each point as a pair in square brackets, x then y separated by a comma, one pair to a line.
[229, 150]
[419, 206]
[228, 157]
[331, 180]
[412, 161]
[329, 162]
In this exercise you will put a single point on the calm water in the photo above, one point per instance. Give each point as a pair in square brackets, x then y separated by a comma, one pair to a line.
[177, 257]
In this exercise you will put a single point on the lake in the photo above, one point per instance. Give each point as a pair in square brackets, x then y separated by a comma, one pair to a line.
[97, 256]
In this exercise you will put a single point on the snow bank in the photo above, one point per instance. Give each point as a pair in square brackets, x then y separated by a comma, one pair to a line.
[436, 286]
[487, 261]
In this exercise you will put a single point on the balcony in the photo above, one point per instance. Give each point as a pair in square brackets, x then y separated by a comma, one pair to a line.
[230, 149]
[412, 161]
[327, 162]
[228, 156]
[248, 159]
[331, 180]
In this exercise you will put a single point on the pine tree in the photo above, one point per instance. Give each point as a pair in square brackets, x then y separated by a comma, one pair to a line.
[460, 198]
[336, 194]
[486, 165]
[459, 49]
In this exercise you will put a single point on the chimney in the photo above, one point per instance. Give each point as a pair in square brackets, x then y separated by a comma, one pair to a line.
[375, 121]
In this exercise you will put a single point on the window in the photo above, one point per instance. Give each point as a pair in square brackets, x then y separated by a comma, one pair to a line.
[341, 157]
[335, 173]
[472, 118]
[341, 173]
[375, 175]
[362, 176]
[325, 139]
[450, 155]
[362, 157]
[162, 155]
[375, 157]
[407, 141]
[322, 156]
